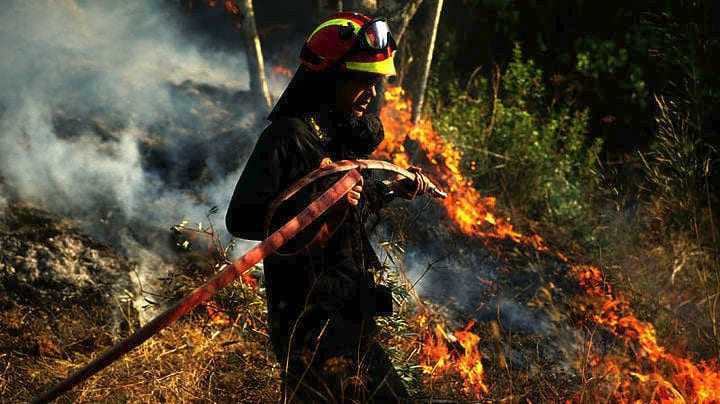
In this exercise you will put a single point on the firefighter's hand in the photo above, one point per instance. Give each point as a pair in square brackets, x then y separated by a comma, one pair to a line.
[409, 189]
[353, 196]
[325, 162]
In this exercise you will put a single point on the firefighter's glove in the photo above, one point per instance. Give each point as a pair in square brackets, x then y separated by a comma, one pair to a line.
[407, 188]
[353, 196]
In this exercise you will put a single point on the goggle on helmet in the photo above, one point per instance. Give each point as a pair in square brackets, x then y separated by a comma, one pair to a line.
[351, 42]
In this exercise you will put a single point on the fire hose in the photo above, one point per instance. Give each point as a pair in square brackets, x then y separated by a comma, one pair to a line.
[231, 272]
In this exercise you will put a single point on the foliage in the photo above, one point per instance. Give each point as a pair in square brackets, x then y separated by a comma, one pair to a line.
[395, 329]
[646, 74]
[593, 53]
[676, 168]
[536, 156]
[599, 62]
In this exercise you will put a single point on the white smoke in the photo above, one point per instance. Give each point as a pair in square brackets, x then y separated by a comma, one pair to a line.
[123, 62]
[64, 175]
[113, 55]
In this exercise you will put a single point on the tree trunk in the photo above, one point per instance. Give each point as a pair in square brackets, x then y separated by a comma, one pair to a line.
[400, 23]
[403, 20]
[427, 60]
[256, 64]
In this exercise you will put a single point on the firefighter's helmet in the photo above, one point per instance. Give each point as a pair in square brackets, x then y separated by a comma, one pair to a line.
[349, 41]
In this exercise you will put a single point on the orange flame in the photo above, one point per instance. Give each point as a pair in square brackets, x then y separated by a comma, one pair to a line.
[469, 364]
[435, 351]
[653, 373]
[472, 213]
[675, 378]
[437, 358]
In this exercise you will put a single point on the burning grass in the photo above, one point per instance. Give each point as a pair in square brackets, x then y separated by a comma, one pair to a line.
[218, 353]
[645, 370]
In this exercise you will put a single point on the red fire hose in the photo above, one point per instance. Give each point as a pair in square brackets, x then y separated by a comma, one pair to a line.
[243, 264]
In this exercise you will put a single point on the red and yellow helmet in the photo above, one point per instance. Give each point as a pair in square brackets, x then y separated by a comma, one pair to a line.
[350, 42]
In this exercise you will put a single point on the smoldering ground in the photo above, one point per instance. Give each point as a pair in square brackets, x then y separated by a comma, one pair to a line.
[112, 115]
[528, 296]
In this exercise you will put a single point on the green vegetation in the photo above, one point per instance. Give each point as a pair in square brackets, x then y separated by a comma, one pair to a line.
[596, 125]
[536, 157]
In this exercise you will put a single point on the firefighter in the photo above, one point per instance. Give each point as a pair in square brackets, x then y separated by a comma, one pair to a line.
[321, 293]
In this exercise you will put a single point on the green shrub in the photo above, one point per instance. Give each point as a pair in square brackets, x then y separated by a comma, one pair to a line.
[533, 155]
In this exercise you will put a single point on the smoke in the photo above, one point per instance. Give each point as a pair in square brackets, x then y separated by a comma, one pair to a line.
[527, 300]
[113, 115]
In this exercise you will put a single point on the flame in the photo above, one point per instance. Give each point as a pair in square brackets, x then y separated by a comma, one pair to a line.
[673, 377]
[469, 364]
[472, 213]
[435, 351]
[649, 373]
[437, 358]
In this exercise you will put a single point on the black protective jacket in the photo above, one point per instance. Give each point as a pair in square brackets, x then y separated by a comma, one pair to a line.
[317, 282]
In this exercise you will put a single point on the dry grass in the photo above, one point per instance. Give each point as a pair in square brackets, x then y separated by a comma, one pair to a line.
[48, 330]
[223, 355]
[191, 361]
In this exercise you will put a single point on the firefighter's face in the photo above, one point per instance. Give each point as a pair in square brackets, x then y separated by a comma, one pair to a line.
[354, 94]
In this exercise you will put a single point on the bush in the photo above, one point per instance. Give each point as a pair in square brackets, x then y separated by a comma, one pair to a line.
[532, 155]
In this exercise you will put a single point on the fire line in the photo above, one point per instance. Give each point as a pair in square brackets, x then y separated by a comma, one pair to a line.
[671, 378]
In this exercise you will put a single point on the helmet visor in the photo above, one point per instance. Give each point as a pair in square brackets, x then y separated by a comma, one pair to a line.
[377, 35]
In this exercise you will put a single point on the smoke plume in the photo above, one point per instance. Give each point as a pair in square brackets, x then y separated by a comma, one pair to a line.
[111, 114]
